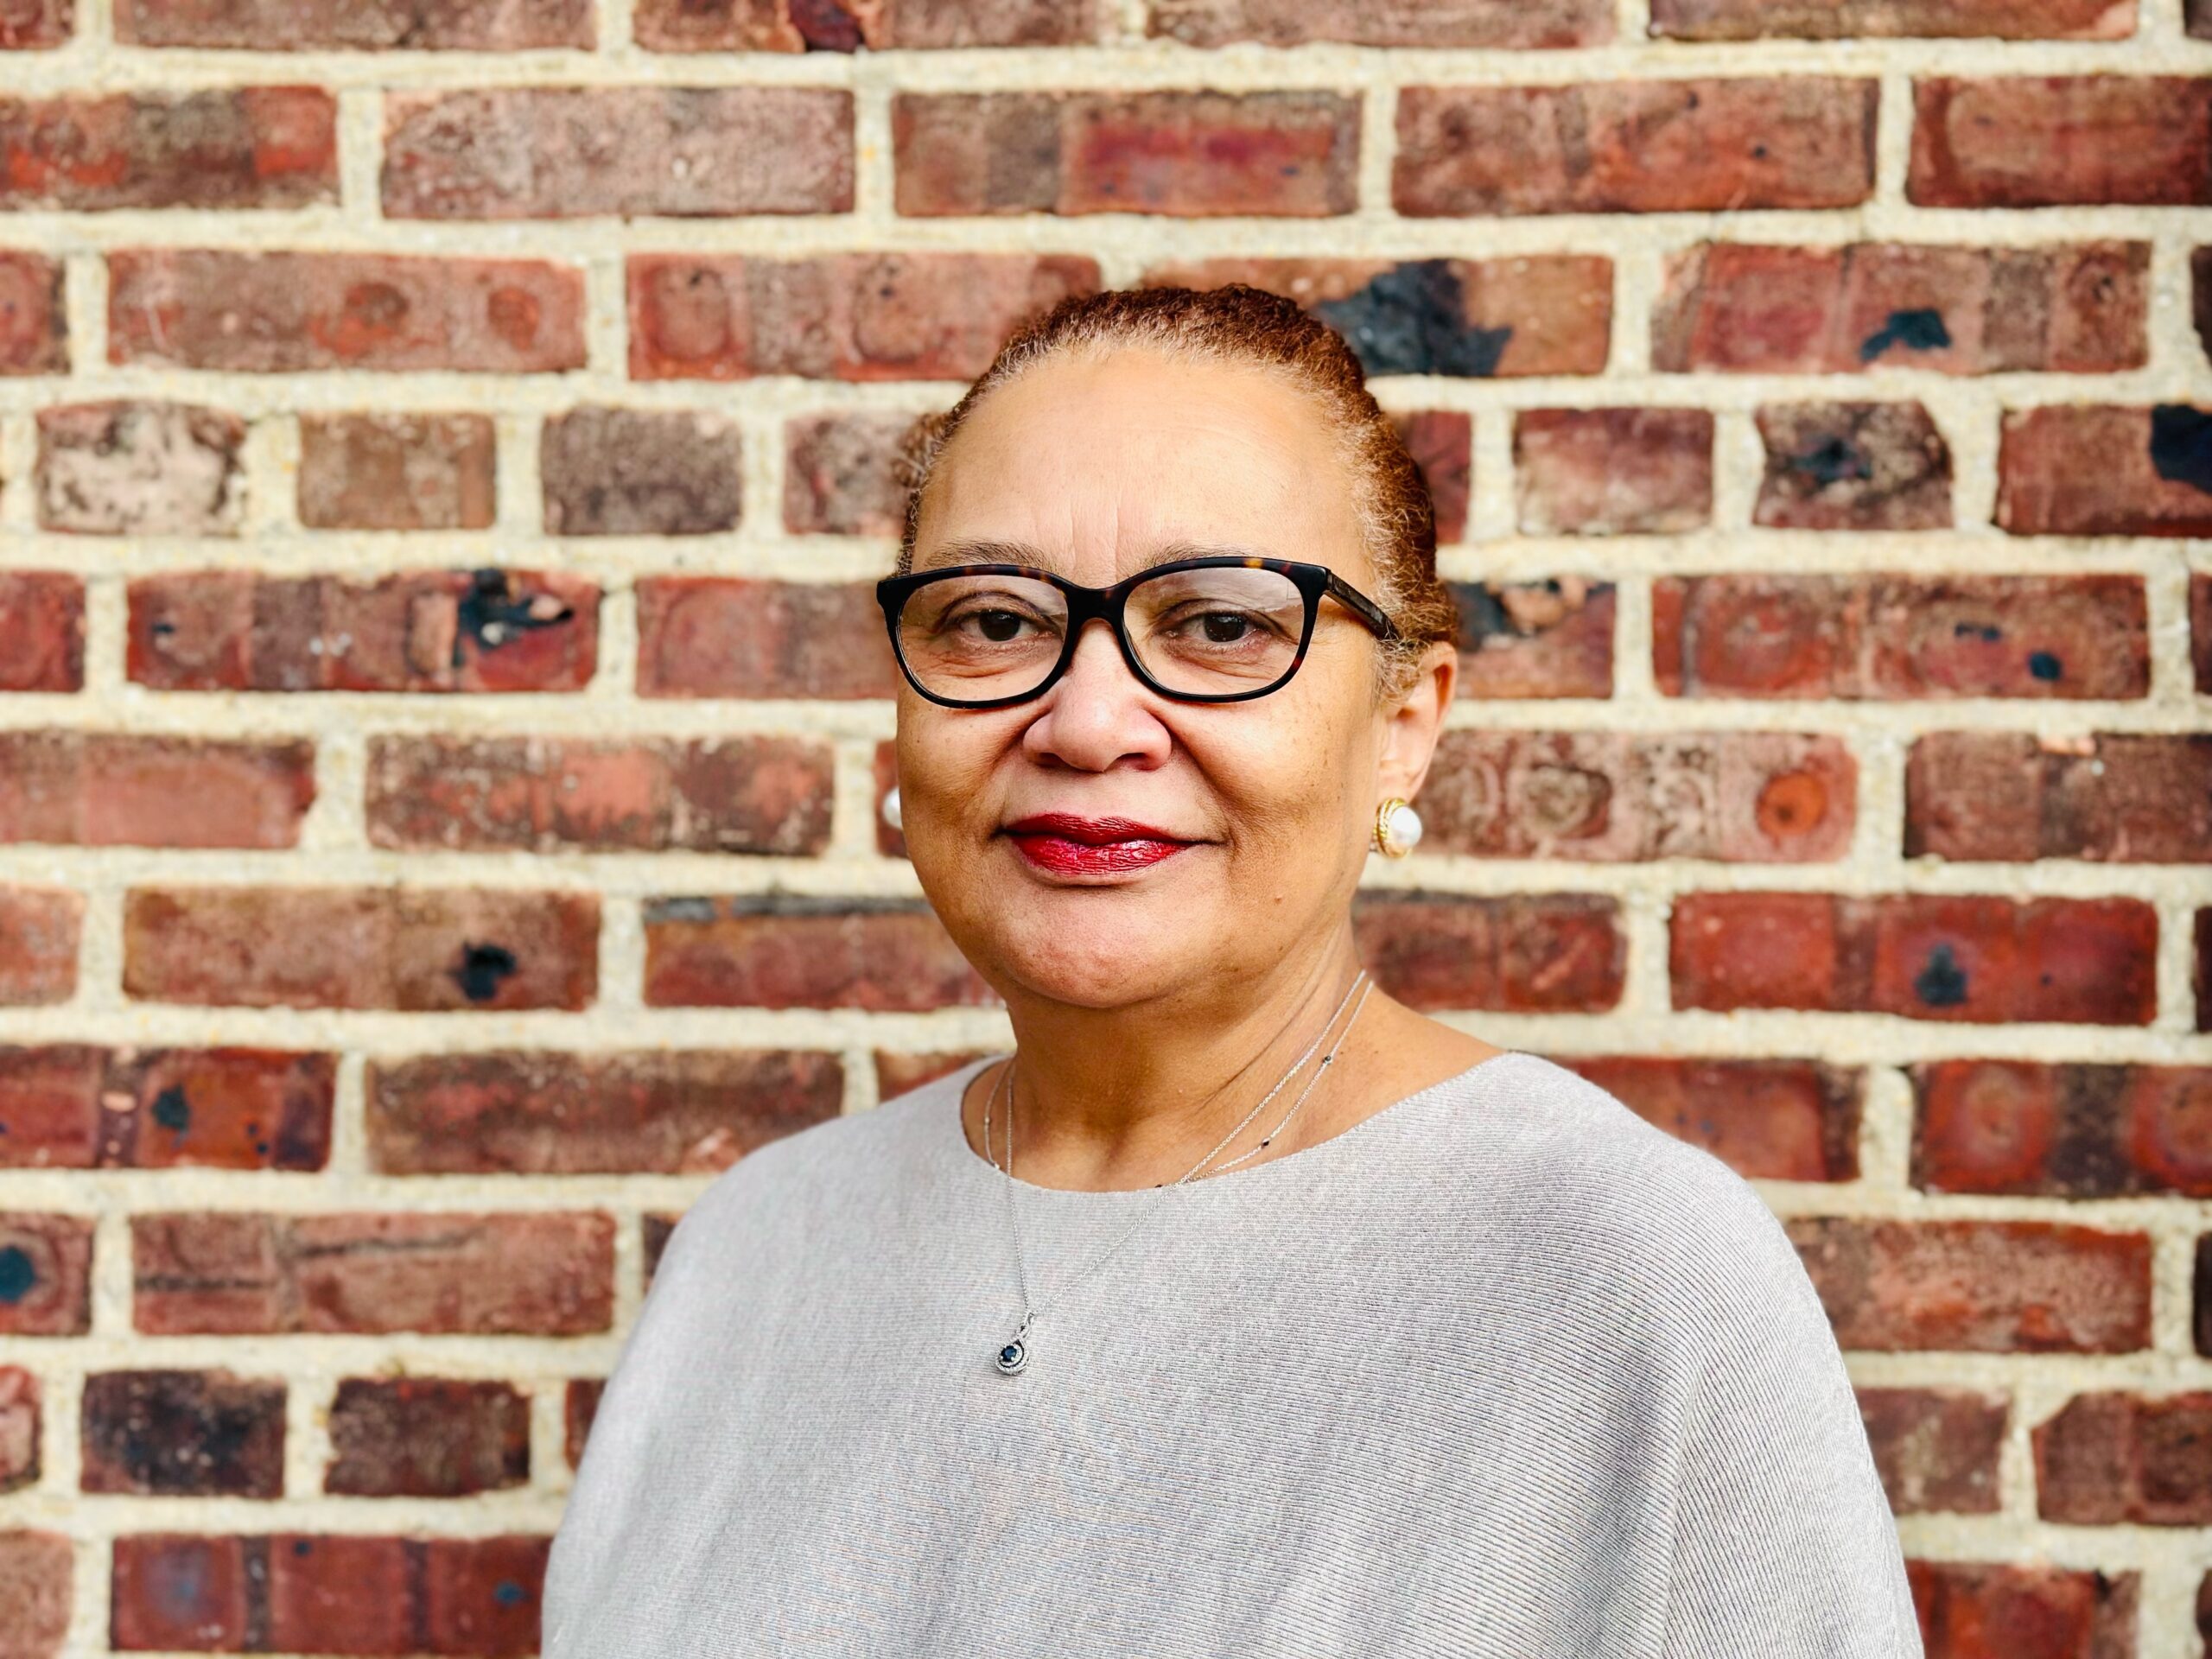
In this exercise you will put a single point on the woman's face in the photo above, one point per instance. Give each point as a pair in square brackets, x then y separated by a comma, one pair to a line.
[1095, 467]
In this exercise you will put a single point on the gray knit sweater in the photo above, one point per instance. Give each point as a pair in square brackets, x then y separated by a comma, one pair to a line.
[1501, 1371]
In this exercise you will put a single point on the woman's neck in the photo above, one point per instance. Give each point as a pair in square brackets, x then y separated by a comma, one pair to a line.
[1112, 1100]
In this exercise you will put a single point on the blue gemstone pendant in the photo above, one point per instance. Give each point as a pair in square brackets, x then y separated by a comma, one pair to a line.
[1015, 1354]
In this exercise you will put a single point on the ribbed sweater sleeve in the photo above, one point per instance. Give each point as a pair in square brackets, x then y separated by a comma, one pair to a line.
[1785, 1545]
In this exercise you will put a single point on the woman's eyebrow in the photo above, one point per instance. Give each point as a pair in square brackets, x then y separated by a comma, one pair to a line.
[989, 550]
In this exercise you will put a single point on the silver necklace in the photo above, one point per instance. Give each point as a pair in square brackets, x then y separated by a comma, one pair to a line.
[1014, 1353]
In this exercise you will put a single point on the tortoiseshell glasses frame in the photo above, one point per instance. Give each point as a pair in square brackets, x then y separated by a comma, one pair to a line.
[1108, 604]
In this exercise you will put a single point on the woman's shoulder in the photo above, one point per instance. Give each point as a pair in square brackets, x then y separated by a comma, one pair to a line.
[1577, 1169]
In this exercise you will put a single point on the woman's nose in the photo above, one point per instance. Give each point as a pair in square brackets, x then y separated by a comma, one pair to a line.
[1098, 712]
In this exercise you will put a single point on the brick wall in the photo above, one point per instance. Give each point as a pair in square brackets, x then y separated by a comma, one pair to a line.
[442, 465]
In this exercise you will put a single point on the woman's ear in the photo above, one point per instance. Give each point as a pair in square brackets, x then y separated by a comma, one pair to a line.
[1412, 723]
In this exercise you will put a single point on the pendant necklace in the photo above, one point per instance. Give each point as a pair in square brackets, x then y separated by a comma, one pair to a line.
[1014, 1353]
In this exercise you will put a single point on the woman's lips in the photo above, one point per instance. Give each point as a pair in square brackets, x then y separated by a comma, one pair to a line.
[1073, 846]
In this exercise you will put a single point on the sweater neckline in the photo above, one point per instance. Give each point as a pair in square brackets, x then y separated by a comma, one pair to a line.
[1345, 1145]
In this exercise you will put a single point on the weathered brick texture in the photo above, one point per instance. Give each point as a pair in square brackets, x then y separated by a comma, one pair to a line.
[483, 631]
[1635, 147]
[445, 450]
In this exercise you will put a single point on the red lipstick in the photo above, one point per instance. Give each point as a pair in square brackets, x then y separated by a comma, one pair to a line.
[1067, 845]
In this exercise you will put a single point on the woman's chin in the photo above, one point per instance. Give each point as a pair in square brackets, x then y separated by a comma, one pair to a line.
[1094, 956]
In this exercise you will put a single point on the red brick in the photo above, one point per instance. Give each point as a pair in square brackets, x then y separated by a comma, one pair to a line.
[1955, 956]
[184, 1589]
[183, 1434]
[229, 1272]
[46, 1270]
[2101, 470]
[33, 328]
[365, 1586]
[73, 1107]
[849, 316]
[50, 1106]
[355, 25]
[41, 631]
[533, 1112]
[2045, 141]
[1627, 796]
[1937, 1449]
[1884, 635]
[1768, 1120]
[1493, 24]
[1553, 953]
[289, 312]
[1529, 314]
[1550, 639]
[2116, 797]
[555, 152]
[19, 1435]
[426, 1437]
[579, 1405]
[1862, 466]
[897, 1074]
[2200, 628]
[481, 1595]
[1184, 154]
[1635, 147]
[1612, 471]
[1972, 1609]
[36, 1568]
[428, 630]
[840, 473]
[38, 945]
[749, 794]
[396, 471]
[1978, 1287]
[847, 25]
[742, 637]
[2111, 1458]
[101, 789]
[410, 949]
[2075, 308]
[639, 471]
[30, 26]
[298, 1591]
[246, 147]
[1750, 20]
[777, 951]
[1442, 444]
[140, 469]
[2061, 1131]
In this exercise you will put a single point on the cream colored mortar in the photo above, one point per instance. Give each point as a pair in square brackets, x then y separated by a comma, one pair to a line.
[333, 849]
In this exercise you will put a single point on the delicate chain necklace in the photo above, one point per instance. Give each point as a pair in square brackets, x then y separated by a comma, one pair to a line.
[1013, 1354]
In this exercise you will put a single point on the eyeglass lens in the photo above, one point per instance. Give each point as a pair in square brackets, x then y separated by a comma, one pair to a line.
[1215, 630]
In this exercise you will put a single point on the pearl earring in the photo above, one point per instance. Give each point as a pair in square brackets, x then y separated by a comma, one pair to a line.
[890, 807]
[1397, 828]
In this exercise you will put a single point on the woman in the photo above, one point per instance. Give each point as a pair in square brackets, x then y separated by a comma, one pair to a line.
[1242, 1309]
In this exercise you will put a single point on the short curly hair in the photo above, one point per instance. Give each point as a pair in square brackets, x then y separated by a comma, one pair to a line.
[1240, 323]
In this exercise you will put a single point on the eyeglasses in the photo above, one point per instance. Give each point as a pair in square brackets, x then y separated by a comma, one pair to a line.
[1220, 628]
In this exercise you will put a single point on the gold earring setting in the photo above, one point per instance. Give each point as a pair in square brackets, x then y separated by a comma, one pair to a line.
[1397, 828]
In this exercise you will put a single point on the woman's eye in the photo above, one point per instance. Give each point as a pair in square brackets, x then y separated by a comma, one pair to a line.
[998, 626]
[1217, 627]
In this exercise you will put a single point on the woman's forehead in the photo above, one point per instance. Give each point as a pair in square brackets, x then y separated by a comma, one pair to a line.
[1110, 463]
